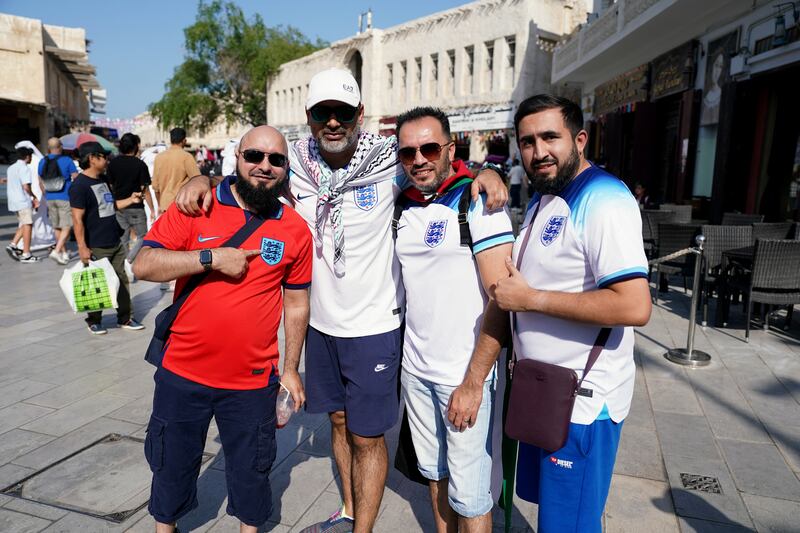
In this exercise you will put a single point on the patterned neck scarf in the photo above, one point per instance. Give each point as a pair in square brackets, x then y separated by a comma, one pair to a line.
[374, 160]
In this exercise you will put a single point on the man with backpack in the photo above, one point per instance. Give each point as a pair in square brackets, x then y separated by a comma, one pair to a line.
[57, 172]
[452, 250]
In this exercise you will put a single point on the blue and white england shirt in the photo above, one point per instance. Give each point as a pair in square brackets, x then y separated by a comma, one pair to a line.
[445, 299]
[587, 237]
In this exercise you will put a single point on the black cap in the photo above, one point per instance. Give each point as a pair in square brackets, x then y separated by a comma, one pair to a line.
[91, 147]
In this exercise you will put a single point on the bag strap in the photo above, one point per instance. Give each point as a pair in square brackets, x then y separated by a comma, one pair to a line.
[463, 223]
[399, 206]
[602, 336]
[234, 242]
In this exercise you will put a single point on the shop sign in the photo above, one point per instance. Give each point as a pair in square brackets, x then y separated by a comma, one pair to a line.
[672, 72]
[492, 117]
[625, 89]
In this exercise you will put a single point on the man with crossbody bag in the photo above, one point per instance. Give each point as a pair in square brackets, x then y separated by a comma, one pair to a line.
[218, 353]
[579, 284]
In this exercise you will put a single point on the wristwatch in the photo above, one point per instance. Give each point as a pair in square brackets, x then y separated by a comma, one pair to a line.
[205, 259]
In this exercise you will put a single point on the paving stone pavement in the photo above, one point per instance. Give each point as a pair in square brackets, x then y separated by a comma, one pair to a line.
[61, 390]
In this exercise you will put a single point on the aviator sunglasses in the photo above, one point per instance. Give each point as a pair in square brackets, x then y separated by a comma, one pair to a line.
[257, 156]
[345, 114]
[430, 151]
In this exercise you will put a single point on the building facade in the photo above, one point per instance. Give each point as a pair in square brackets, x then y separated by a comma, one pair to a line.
[695, 100]
[476, 62]
[46, 81]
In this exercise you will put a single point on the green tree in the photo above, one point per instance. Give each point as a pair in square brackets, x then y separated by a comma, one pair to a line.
[228, 62]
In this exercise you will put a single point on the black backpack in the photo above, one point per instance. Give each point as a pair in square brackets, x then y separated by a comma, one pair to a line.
[53, 179]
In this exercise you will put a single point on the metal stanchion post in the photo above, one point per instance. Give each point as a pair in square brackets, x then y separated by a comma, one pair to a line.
[689, 356]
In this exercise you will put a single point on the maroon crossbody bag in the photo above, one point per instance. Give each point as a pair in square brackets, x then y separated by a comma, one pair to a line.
[542, 394]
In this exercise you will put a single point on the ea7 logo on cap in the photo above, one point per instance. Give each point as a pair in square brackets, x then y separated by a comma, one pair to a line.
[348, 88]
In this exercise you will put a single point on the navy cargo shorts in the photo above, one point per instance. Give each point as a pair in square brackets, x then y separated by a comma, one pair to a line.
[176, 436]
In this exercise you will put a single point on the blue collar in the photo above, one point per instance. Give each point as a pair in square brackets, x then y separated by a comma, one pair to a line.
[225, 197]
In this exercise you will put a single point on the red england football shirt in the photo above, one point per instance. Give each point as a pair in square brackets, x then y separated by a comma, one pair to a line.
[226, 333]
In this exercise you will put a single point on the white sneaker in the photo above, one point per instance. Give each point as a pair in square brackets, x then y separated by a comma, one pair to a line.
[57, 257]
[65, 257]
[28, 259]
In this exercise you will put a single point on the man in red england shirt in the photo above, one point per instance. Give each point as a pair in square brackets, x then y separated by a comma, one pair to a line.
[222, 354]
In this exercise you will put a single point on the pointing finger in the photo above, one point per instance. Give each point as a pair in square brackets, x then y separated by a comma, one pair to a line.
[251, 253]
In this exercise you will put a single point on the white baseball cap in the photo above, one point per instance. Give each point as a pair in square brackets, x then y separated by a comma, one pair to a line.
[333, 84]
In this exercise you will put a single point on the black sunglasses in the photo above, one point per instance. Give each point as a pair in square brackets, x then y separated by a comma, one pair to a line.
[257, 156]
[430, 151]
[345, 114]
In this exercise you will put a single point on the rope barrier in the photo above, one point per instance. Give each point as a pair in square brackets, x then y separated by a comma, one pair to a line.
[674, 255]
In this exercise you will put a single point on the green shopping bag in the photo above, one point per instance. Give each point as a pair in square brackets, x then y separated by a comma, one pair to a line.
[90, 288]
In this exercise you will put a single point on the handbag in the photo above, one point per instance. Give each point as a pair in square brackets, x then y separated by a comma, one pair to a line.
[164, 320]
[91, 287]
[542, 394]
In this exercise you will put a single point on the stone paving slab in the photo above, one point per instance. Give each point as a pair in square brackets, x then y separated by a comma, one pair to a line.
[633, 502]
[48, 512]
[21, 523]
[78, 414]
[773, 514]
[19, 442]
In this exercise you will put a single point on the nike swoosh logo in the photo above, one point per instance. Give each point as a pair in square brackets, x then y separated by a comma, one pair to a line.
[380, 368]
[304, 197]
[200, 238]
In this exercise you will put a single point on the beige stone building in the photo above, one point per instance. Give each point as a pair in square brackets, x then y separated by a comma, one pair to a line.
[46, 80]
[476, 62]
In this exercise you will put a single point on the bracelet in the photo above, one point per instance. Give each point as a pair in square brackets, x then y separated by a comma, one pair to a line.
[493, 166]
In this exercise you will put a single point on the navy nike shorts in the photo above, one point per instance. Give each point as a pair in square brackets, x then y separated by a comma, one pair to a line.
[357, 375]
[176, 435]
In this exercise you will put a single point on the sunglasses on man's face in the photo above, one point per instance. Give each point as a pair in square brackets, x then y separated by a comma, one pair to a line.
[430, 151]
[257, 156]
[344, 114]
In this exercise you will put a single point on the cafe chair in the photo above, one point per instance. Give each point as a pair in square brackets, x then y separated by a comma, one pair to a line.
[774, 280]
[740, 219]
[681, 214]
[772, 230]
[651, 218]
[673, 238]
[718, 240]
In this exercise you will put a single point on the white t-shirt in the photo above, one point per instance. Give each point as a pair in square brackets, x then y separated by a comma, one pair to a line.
[587, 237]
[445, 299]
[516, 175]
[368, 299]
[18, 175]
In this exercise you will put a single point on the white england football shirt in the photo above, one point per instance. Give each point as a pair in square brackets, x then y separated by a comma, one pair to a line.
[586, 237]
[445, 299]
[368, 298]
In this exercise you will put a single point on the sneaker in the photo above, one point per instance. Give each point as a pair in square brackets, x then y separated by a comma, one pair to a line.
[57, 257]
[132, 325]
[13, 252]
[97, 329]
[337, 523]
[28, 259]
[65, 257]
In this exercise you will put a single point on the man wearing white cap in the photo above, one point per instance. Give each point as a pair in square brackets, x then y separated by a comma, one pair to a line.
[344, 183]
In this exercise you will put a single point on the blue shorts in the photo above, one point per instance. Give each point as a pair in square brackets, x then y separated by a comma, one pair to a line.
[356, 375]
[571, 484]
[176, 436]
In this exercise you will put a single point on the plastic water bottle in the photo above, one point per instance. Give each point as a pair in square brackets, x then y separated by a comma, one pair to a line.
[284, 407]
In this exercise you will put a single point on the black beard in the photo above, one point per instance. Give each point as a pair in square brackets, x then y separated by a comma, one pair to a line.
[566, 172]
[262, 200]
[432, 187]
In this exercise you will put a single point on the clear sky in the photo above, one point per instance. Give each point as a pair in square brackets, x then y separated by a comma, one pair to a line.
[136, 48]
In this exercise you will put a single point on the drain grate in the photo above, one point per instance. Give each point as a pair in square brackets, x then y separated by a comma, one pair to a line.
[701, 483]
[107, 479]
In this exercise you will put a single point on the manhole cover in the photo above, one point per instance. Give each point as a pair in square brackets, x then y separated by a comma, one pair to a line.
[108, 479]
[701, 483]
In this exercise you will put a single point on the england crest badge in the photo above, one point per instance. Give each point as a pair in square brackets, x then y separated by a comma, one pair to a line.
[552, 229]
[366, 196]
[271, 251]
[434, 234]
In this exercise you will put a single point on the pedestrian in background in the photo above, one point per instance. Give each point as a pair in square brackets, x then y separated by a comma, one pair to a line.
[172, 169]
[128, 174]
[57, 169]
[42, 235]
[515, 176]
[97, 231]
[22, 202]
[579, 285]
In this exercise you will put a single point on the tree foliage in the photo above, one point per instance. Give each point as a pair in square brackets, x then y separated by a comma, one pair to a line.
[228, 62]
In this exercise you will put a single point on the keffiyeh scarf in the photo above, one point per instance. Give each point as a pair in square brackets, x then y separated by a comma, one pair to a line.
[375, 160]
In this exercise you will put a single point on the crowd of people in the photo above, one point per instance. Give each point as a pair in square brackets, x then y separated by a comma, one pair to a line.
[404, 279]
